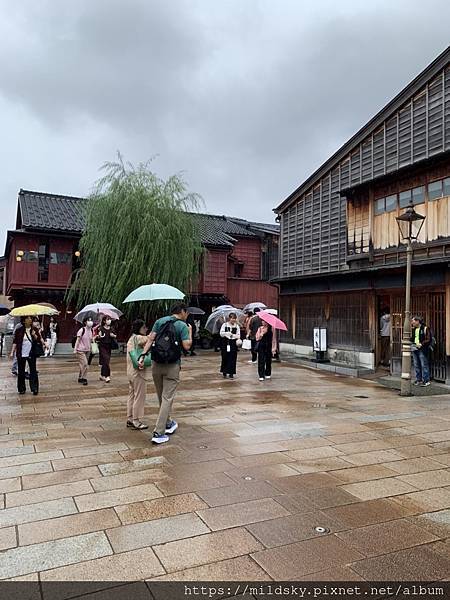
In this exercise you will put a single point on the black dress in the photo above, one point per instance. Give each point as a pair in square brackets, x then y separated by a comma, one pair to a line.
[104, 341]
[229, 351]
[265, 354]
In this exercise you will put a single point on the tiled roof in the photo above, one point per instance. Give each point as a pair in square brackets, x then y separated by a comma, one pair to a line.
[52, 212]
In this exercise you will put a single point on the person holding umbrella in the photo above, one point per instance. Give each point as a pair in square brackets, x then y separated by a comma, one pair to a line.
[267, 342]
[28, 344]
[82, 348]
[105, 338]
[231, 335]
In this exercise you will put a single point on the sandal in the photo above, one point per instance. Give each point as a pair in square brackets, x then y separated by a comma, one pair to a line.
[130, 424]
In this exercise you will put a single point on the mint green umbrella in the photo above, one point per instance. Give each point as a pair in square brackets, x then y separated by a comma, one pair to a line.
[154, 291]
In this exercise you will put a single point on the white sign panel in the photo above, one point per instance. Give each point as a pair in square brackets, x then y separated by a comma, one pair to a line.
[320, 339]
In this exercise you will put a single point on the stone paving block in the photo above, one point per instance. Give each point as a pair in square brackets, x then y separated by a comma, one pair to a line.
[425, 501]
[37, 512]
[427, 480]
[99, 449]
[204, 549]
[299, 483]
[294, 528]
[127, 566]
[245, 490]
[260, 472]
[311, 453]
[128, 466]
[443, 459]
[328, 497]
[51, 492]
[320, 465]
[19, 470]
[414, 465]
[158, 531]
[307, 557]
[8, 538]
[182, 485]
[272, 458]
[10, 485]
[420, 563]
[437, 523]
[367, 513]
[86, 461]
[48, 555]
[365, 473]
[15, 451]
[233, 515]
[58, 477]
[27, 459]
[61, 527]
[159, 508]
[379, 488]
[242, 568]
[114, 482]
[383, 538]
[372, 458]
[114, 497]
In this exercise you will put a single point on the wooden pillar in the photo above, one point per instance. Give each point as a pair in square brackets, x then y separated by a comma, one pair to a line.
[294, 317]
[447, 316]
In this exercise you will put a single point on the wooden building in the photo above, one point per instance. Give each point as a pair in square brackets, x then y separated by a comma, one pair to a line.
[341, 257]
[42, 253]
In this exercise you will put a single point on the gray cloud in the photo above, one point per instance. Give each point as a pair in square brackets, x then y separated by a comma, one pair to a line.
[246, 98]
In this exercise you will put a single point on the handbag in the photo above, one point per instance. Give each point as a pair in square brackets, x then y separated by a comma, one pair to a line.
[94, 348]
[37, 349]
[135, 355]
[114, 344]
[246, 344]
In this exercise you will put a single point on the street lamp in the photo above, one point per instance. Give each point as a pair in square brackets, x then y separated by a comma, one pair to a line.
[410, 225]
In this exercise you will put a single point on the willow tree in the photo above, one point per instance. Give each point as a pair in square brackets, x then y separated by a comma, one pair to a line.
[139, 229]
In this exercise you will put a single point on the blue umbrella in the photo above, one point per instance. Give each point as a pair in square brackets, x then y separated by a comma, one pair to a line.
[154, 291]
[4, 310]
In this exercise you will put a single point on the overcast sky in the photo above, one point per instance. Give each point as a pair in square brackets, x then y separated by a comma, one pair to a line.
[246, 97]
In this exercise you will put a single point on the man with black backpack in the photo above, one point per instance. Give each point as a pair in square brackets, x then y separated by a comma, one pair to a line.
[170, 335]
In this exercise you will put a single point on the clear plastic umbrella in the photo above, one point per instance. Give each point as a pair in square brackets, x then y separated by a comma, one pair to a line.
[254, 305]
[217, 318]
[95, 310]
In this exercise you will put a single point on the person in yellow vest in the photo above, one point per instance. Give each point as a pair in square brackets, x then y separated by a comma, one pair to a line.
[421, 340]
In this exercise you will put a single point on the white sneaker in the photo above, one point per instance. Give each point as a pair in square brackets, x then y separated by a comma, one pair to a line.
[268, 376]
[261, 378]
[107, 379]
[250, 362]
[102, 378]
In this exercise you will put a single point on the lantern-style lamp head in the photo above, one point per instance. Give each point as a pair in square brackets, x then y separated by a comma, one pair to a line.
[410, 224]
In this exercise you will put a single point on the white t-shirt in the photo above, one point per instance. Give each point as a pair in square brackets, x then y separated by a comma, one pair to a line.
[26, 344]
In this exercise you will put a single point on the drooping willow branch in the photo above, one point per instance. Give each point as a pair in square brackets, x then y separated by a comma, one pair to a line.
[139, 229]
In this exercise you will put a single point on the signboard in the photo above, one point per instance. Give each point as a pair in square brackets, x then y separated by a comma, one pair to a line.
[320, 339]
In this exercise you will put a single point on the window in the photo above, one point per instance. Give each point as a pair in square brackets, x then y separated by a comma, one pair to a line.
[43, 262]
[404, 198]
[418, 195]
[434, 190]
[447, 186]
[60, 258]
[26, 255]
[379, 206]
[391, 203]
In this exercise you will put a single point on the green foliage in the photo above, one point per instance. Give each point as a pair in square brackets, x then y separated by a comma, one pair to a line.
[138, 231]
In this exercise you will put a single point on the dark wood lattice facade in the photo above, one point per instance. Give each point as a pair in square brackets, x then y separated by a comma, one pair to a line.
[341, 258]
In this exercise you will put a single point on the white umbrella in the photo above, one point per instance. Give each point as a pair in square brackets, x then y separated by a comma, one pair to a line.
[254, 305]
[95, 310]
[217, 318]
[271, 311]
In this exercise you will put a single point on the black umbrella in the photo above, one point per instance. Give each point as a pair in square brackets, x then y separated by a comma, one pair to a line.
[4, 310]
[194, 310]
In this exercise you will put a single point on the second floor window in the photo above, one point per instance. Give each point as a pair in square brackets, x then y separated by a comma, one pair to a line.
[439, 189]
[43, 261]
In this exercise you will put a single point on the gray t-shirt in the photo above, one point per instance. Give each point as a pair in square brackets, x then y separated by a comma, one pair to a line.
[385, 326]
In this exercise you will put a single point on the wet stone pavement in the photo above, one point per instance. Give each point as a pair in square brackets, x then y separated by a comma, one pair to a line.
[240, 489]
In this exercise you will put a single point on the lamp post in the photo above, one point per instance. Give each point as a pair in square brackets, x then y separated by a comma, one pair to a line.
[410, 225]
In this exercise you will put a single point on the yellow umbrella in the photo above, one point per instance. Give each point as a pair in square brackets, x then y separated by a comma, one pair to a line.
[32, 310]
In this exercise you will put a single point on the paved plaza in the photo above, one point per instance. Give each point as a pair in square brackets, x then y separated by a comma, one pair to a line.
[238, 492]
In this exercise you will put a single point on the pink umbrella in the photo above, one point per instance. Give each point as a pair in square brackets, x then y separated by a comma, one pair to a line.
[272, 320]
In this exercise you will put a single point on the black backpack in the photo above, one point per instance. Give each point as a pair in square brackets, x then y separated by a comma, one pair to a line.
[166, 348]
